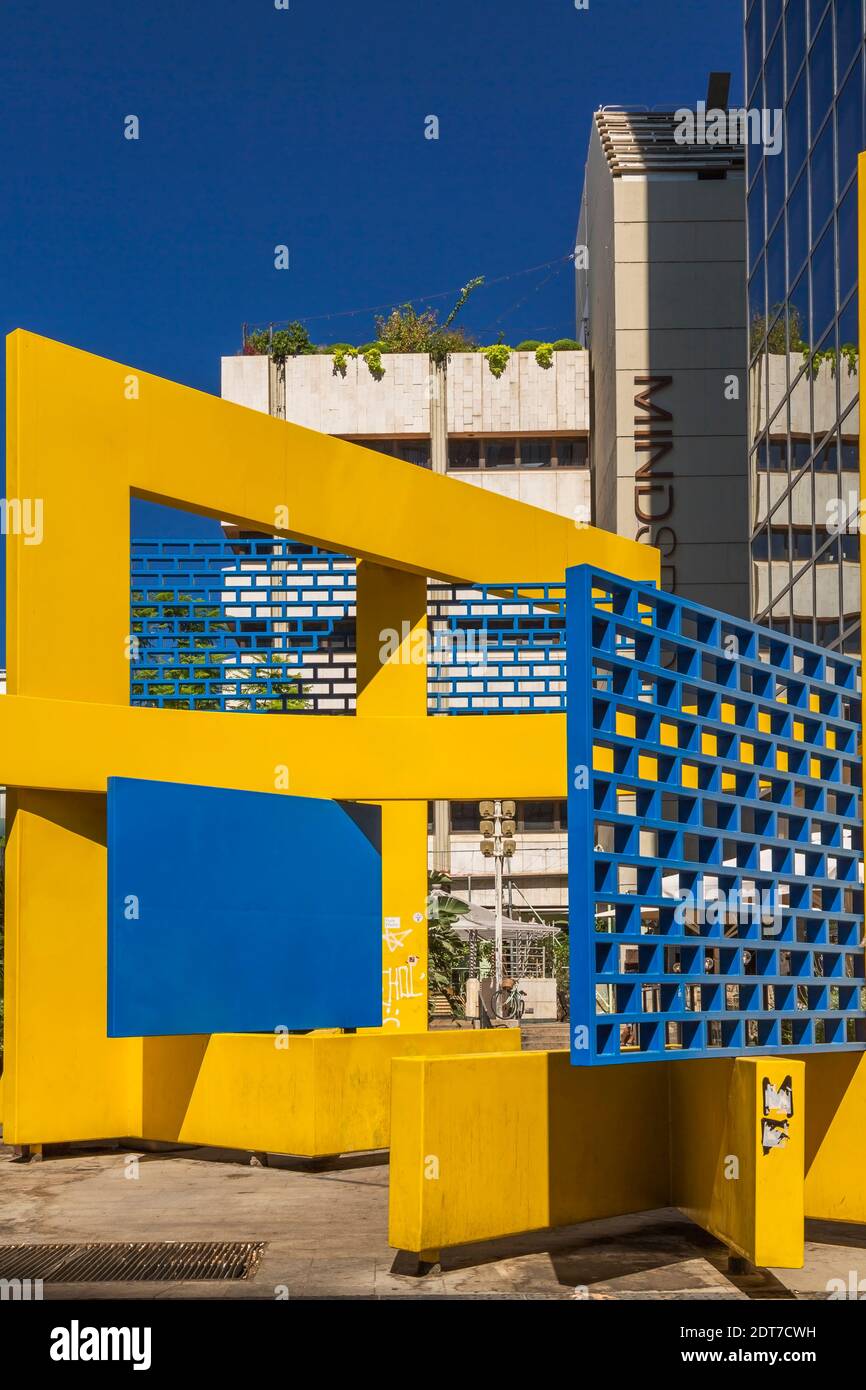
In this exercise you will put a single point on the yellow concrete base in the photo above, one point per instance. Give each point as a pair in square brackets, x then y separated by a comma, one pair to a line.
[835, 1129]
[483, 1147]
[312, 1096]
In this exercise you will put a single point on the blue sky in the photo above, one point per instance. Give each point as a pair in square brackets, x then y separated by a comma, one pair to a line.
[305, 127]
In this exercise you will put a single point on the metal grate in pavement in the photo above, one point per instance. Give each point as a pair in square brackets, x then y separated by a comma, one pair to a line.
[158, 1261]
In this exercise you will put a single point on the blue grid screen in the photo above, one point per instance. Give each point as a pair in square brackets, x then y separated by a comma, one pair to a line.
[715, 832]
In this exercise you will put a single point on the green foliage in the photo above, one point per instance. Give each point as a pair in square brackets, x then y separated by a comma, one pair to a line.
[258, 344]
[293, 341]
[462, 298]
[373, 358]
[777, 338]
[342, 353]
[447, 953]
[544, 354]
[567, 345]
[529, 345]
[405, 330]
[815, 360]
[497, 357]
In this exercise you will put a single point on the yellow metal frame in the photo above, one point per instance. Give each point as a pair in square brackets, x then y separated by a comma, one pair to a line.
[85, 435]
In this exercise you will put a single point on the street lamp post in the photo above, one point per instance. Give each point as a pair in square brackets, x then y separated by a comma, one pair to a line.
[498, 827]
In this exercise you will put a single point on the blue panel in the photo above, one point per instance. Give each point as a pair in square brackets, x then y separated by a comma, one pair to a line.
[716, 898]
[239, 912]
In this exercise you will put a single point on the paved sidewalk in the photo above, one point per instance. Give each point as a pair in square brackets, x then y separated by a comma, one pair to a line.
[327, 1233]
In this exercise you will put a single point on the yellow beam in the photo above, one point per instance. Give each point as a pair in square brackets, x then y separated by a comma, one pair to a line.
[74, 746]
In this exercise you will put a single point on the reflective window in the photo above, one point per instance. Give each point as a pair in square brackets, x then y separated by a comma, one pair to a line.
[798, 226]
[776, 271]
[756, 219]
[821, 72]
[817, 9]
[797, 137]
[778, 455]
[798, 314]
[772, 11]
[801, 448]
[848, 242]
[795, 36]
[823, 285]
[849, 328]
[821, 169]
[850, 547]
[757, 307]
[849, 32]
[754, 45]
[826, 458]
[775, 169]
[850, 454]
[849, 123]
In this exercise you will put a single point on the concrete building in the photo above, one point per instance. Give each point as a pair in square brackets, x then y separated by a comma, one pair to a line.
[804, 373]
[661, 306]
[525, 435]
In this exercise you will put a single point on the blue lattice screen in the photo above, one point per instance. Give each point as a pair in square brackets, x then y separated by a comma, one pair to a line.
[715, 832]
[268, 626]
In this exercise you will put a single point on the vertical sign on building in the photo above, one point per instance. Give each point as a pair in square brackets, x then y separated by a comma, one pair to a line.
[653, 485]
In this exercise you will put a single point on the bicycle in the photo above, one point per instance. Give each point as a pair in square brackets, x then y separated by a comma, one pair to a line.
[508, 1002]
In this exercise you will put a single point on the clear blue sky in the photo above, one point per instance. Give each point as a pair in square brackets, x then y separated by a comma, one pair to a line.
[305, 127]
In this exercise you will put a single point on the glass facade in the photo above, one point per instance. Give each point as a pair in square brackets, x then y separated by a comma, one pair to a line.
[805, 58]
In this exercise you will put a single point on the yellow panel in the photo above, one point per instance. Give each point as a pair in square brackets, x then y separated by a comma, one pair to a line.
[689, 775]
[728, 712]
[710, 745]
[765, 722]
[647, 767]
[626, 724]
[721, 1177]
[64, 1079]
[312, 1096]
[602, 758]
[488, 1146]
[747, 751]
[668, 735]
[835, 1126]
